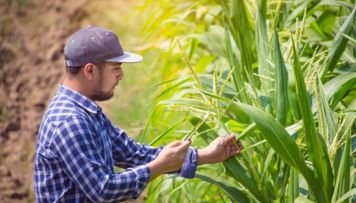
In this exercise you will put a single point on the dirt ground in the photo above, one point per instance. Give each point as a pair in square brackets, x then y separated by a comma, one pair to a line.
[32, 37]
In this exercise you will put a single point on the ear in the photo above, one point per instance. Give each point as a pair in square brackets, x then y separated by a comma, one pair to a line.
[88, 71]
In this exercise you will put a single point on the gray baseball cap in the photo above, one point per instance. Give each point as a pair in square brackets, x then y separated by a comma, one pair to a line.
[96, 45]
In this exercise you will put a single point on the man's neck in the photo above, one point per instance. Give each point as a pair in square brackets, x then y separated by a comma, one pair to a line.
[74, 84]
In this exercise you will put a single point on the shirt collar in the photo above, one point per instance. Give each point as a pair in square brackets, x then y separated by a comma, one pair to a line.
[80, 99]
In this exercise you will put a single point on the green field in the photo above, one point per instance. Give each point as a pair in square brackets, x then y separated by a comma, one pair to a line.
[281, 75]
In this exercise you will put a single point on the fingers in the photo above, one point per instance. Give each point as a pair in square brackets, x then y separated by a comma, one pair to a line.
[239, 145]
[184, 145]
[225, 139]
[232, 139]
[235, 145]
[179, 145]
[228, 139]
[175, 143]
[236, 150]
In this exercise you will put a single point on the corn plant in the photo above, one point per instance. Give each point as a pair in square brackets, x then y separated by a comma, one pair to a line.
[286, 88]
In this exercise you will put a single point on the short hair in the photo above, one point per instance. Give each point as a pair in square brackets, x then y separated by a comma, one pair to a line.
[73, 69]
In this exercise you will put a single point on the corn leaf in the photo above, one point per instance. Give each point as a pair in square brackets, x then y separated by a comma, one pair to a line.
[234, 194]
[339, 45]
[349, 194]
[281, 142]
[238, 81]
[342, 184]
[316, 146]
[337, 87]
[207, 82]
[301, 199]
[169, 130]
[241, 25]
[237, 171]
[293, 185]
[196, 103]
[233, 167]
[281, 82]
[262, 48]
[327, 123]
[276, 136]
[343, 130]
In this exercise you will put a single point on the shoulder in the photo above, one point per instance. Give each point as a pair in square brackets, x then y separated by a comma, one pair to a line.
[63, 124]
[74, 125]
[71, 133]
[62, 110]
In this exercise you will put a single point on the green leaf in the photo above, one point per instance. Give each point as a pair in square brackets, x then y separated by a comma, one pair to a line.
[264, 69]
[282, 143]
[196, 103]
[349, 194]
[342, 184]
[238, 81]
[301, 199]
[348, 122]
[237, 171]
[234, 194]
[277, 137]
[327, 123]
[169, 130]
[293, 185]
[241, 27]
[339, 45]
[337, 87]
[233, 167]
[281, 82]
[316, 146]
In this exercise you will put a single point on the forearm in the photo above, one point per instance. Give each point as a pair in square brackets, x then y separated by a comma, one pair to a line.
[203, 157]
[156, 169]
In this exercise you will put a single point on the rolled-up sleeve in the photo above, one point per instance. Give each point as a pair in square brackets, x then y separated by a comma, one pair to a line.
[83, 162]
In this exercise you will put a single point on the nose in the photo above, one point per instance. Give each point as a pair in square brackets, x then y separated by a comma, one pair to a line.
[120, 75]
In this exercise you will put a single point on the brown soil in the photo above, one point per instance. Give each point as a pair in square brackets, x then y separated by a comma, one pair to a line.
[32, 37]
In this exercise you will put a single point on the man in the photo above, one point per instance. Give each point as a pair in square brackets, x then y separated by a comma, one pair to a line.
[77, 145]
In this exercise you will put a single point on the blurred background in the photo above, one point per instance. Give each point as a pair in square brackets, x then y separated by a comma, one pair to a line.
[197, 55]
[32, 37]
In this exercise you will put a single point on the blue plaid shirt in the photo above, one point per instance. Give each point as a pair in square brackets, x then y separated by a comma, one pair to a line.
[77, 148]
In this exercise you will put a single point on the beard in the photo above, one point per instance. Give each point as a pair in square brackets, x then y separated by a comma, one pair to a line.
[102, 96]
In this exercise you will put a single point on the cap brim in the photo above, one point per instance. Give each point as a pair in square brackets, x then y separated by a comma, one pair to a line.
[127, 57]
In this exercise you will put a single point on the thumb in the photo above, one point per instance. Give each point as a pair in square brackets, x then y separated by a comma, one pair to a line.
[228, 139]
[184, 145]
[175, 144]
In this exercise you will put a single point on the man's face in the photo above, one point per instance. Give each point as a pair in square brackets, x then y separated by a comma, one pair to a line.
[108, 77]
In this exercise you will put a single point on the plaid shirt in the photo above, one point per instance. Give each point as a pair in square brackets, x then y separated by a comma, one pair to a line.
[77, 148]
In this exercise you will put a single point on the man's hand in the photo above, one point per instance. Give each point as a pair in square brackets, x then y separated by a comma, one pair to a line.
[219, 150]
[169, 159]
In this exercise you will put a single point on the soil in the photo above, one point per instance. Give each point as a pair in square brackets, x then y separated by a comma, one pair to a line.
[32, 37]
